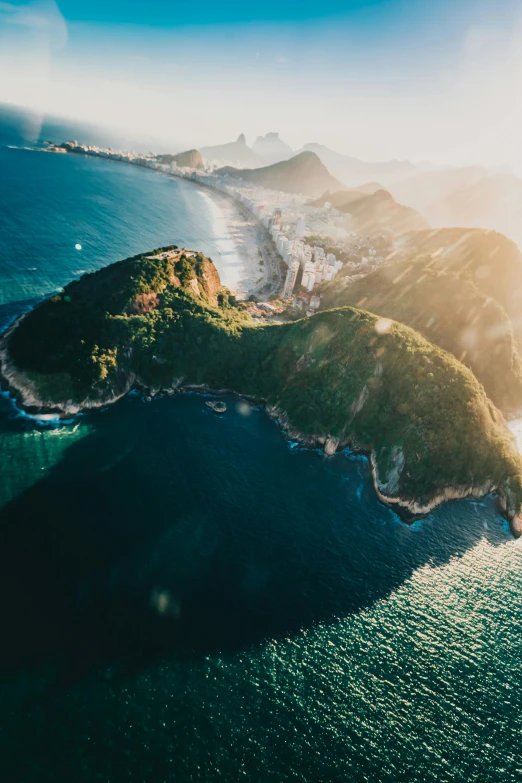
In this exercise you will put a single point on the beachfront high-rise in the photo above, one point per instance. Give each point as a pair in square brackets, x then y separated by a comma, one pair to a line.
[300, 228]
[291, 276]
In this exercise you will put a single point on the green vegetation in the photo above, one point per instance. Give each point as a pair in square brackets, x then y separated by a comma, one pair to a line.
[451, 312]
[345, 373]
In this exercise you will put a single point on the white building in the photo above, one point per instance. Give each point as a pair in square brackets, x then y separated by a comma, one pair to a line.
[328, 273]
[331, 259]
[308, 280]
[318, 253]
[292, 248]
[291, 275]
[282, 242]
[300, 228]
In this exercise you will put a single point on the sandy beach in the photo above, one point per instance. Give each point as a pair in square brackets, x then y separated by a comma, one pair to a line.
[242, 242]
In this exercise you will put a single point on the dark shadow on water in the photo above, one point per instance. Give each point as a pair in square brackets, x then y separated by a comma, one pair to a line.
[11, 310]
[134, 546]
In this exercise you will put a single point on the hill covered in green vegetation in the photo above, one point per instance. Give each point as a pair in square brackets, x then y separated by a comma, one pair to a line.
[344, 376]
[304, 173]
[451, 312]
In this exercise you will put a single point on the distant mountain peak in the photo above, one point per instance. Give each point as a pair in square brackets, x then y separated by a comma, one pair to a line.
[373, 211]
[272, 148]
[352, 170]
[234, 151]
[272, 135]
[303, 173]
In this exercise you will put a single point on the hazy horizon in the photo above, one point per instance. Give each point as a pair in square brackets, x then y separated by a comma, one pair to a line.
[381, 80]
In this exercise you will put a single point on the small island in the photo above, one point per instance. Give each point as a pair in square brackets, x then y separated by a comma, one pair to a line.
[161, 321]
[217, 407]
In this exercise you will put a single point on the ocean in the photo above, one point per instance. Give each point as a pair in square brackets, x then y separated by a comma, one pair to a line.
[190, 597]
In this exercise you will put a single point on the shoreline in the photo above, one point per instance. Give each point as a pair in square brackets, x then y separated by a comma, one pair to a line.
[244, 229]
[235, 235]
[244, 237]
[241, 236]
[408, 510]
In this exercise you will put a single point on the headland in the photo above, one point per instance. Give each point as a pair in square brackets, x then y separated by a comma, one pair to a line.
[341, 378]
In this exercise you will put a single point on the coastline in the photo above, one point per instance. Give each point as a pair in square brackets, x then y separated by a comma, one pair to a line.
[250, 241]
[225, 210]
[237, 233]
[407, 509]
[240, 244]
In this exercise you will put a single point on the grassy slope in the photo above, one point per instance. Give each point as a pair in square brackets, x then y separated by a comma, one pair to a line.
[337, 373]
[450, 312]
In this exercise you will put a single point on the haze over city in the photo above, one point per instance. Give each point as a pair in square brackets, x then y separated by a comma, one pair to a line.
[434, 81]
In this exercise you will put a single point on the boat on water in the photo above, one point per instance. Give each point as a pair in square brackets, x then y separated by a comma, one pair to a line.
[217, 407]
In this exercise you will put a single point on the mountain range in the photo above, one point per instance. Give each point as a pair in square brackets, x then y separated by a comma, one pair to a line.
[371, 212]
[304, 173]
[424, 189]
[272, 149]
[469, 196]
[352, 171]
[234, 152]
[494, 202]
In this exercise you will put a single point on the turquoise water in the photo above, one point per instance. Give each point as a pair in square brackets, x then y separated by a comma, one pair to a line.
[51, 202]
[188, 597]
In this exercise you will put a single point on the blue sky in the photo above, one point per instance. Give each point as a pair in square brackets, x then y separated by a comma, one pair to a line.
[171, 13]
[377, 79]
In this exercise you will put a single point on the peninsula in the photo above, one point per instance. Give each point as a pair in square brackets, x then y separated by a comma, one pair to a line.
[343, 377]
